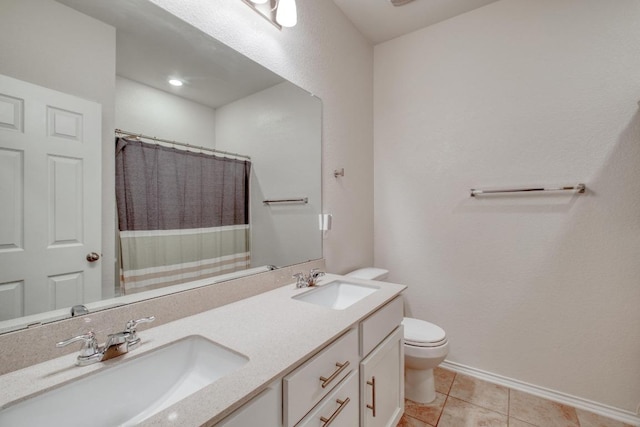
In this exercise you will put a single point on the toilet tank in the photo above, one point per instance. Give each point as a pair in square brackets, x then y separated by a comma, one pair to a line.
[369, 273]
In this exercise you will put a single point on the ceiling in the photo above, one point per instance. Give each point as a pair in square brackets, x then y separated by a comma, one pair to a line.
[380, 21]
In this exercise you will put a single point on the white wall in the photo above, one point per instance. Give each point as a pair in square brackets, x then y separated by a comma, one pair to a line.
[143, 109]
[78, 58]
[327, 56]
[279, 128]
[544, 289]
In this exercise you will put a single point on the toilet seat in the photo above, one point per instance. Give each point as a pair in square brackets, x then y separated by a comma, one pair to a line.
[419, 333]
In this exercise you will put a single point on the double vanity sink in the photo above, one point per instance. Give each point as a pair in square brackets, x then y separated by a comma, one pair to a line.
[226, 356]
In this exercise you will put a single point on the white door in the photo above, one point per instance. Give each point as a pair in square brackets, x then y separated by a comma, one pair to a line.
[50, 199]
[382, 383]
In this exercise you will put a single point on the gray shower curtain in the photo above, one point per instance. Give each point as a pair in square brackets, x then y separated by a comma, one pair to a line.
[182, 215]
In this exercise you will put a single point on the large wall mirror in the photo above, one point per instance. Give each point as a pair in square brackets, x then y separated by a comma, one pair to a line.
[110, 191]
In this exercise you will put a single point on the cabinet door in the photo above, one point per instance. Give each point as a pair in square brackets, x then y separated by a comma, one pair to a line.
[382, 383]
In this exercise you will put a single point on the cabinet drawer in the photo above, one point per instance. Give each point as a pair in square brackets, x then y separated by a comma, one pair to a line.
[341, 404]
[376, 327]
[303, 388]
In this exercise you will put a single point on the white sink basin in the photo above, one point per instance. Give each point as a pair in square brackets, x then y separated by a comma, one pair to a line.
[129, 392]
[338, 294]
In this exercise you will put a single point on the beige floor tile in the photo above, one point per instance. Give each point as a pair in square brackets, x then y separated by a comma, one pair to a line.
[407, 421]
[426, 413]
[541, 412]
[589, 419]
[514, 422]
[481, 393]
[444, 379]
[458, 413]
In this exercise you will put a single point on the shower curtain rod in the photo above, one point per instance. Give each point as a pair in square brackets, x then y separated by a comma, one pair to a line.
[167, 141]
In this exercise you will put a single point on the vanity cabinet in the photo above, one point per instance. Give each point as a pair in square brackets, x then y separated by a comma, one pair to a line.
[366, 364]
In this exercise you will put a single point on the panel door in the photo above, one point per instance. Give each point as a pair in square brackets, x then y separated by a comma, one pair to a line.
[50, 199]
[382, 383]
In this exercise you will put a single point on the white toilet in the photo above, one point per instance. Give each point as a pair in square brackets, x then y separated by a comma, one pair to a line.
[425, 347]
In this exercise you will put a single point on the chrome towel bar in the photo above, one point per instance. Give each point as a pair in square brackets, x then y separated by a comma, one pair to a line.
[580, 188]
[302, 200]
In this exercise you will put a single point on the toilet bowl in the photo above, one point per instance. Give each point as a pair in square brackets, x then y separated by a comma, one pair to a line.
[425, 347]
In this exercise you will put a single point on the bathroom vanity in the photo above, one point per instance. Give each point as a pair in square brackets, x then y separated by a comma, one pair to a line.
[310, 395]
[305, 362]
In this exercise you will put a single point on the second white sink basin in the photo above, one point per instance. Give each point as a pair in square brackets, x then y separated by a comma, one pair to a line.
[338, 294]
[129, 392]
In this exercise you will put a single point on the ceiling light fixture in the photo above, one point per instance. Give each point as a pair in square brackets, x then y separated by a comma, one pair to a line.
[286, 13]
[281, 13]
[176, 82]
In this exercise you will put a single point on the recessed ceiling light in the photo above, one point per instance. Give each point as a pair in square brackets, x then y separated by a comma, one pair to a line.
[175, 82]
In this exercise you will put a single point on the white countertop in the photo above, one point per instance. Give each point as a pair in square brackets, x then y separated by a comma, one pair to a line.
[274, 331]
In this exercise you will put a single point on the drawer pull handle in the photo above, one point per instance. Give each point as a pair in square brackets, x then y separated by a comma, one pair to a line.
[341, 367]
[372, 383]
[333, 416]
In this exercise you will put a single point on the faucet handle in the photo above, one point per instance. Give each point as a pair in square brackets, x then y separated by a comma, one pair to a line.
[301, 281]
[133, 324]
[315, 273]
[89, 346]
[133, 339]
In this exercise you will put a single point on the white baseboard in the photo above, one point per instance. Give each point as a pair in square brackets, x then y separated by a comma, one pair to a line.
[577, 402]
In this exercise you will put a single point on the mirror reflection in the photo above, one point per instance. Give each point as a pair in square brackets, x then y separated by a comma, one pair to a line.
[117, 185]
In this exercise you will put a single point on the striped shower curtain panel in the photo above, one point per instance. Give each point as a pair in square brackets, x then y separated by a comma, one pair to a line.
[182, 215]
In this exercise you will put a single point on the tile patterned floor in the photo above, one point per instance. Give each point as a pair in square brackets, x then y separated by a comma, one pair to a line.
[463, 401]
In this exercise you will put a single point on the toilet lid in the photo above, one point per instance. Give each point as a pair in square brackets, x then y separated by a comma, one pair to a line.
[422, 334]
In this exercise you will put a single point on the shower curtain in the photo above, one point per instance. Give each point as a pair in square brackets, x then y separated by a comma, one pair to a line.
[182, 215]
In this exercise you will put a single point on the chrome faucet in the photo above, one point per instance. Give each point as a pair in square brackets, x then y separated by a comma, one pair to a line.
[305, 281]
[116, 345]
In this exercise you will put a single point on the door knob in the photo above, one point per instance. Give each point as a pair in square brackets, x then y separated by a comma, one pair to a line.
[93, 257]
